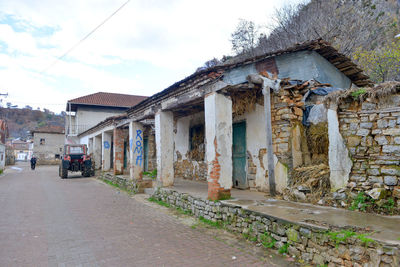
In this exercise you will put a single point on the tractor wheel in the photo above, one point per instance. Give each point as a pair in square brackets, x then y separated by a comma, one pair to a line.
[63, 173]
[86, 172]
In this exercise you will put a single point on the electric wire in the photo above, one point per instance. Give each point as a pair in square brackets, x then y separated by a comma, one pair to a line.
[84, 38]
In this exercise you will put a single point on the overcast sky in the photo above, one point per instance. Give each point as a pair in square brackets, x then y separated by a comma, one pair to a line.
[143, 49]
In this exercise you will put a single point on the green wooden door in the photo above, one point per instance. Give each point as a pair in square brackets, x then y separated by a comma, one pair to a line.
[239, 155]
[146, 154]
[125, 155]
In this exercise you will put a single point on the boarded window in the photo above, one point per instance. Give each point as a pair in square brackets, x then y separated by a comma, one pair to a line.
[196, 142]
[42, 141]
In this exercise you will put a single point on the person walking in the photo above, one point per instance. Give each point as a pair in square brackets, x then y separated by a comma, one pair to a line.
[33, 162]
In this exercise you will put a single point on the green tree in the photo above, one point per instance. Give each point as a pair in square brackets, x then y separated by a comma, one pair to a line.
[381, 64]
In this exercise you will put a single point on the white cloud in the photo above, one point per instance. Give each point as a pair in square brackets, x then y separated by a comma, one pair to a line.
[169, 39]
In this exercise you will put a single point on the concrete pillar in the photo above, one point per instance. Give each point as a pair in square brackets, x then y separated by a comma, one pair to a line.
[340, 163]
[90, 146]
[136, 156]
[118, 151]
[218, 121]
[164, 122]
[105, 151]
[97, 144]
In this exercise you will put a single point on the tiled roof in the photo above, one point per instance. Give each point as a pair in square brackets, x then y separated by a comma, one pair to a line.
[108, 99]
[49, 129]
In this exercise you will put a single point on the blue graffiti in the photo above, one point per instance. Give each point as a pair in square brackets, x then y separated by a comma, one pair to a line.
[138, 148]
[106, 145]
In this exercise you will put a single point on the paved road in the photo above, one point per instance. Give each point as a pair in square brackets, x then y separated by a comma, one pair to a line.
[47, 221]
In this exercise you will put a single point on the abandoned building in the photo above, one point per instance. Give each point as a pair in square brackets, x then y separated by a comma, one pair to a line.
[48, 143]
[211, 126]
[86, 111]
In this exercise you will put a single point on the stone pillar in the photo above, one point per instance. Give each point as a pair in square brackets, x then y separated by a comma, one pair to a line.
[97, 144]
[218, 121]
[136, 156]
[164, 122]
[105, 151]
[118, 151]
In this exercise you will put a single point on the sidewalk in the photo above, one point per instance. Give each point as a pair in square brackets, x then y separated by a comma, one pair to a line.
[386, 229]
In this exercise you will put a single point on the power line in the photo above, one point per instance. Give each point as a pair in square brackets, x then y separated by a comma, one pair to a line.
[84, 38]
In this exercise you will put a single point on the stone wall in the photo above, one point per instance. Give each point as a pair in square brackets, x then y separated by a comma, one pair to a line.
[372, 134]
[311, 244]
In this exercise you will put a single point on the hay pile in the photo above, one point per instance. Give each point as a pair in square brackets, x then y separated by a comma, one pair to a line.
[378, 92]
[315, 178]
[318, 142]
[243, 102]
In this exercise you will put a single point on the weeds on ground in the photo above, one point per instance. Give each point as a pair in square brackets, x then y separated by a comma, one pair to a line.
[343, 235]
[360, 202]
[159, 202]
[267, 240]
[111, 183]
[283, 249]
[388, 206]
[216, 224]
[152, 174]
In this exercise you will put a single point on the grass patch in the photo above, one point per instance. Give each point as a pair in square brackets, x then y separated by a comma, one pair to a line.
[216, 224]
[182, 211]
[1, 171]
[358, 93]
[267, 240]
[388, 206]
[111, 183]
[283, 249]
[343, 235]
[360, 202]
[159, 202]
[152, 174]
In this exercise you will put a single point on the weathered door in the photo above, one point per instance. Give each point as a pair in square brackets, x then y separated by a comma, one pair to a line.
[239, 155]
[125, 155]
[146, 154]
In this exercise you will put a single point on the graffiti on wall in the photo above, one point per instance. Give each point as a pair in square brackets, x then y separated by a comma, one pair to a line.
[138, 147]
[106, 145]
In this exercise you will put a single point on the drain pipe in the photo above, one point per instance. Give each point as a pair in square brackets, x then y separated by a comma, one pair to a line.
[267, 85]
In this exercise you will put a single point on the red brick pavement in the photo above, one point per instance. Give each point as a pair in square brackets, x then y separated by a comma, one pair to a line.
[48, 221]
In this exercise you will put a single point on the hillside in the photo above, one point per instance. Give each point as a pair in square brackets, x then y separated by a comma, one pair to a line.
[363, 30]
[21, 121]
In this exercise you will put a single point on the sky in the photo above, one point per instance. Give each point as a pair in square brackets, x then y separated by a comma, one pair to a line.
[147, 46]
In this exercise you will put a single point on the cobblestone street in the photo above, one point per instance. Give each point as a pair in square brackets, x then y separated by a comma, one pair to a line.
[48, 221]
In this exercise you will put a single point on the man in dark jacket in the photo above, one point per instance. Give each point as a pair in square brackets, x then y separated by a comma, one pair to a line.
[33, 162]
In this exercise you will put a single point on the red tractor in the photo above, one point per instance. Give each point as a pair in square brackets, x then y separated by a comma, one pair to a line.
[75, 159]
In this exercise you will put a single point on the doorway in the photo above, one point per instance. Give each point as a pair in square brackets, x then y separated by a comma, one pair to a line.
[239, 176]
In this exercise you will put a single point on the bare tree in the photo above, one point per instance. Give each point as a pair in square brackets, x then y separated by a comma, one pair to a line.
[347, 24]
[208, 64]
[245, 37]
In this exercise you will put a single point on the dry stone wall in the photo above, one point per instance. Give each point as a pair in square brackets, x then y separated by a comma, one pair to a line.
[311, 244]
[372, 135]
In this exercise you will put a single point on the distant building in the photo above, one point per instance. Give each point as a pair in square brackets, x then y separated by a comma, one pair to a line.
[3, 136]
[48, 143]
[87, 111]
[21, 149]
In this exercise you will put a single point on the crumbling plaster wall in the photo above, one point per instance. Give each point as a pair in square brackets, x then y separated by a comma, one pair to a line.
[185, 166]
[256, 143]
